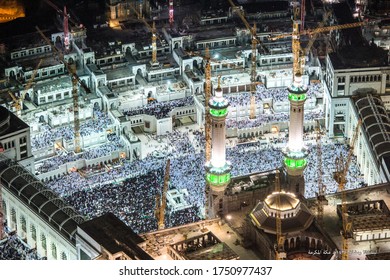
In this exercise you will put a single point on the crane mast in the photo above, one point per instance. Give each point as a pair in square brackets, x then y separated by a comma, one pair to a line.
[207, 125]
[255, 43]
[341, 177]
[321, 200]
[161, 200]
[152, 29]
[253, 74]
[154, 45]
[140, 9]
[171, 19]
[75, 81]
[280, 254]
[66, 30]
[297, 50]
[207, 74]
[296, 45]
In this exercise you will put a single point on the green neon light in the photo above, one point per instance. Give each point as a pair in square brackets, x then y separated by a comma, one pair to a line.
[297, 97]
[219, 112]
[218, 179]
[295, 163]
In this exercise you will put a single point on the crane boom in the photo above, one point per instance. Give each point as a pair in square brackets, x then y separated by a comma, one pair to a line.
[63, 13]
[297, 50]
[18, 101]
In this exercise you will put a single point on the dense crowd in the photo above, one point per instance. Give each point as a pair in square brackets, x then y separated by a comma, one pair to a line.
[330, 151]
[133, 201]
[160, 109]
[12, 248]
[130, 190]
[48, 135]
[276, 94]
[262, 119]
[62, 157]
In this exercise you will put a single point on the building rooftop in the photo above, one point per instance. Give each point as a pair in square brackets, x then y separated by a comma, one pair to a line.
[375, 122]
[298, 222]
[359, 57]
[254, 7]
[10, 123]
[41, 200]
[288, 201]
[115, 236]
[210, 248]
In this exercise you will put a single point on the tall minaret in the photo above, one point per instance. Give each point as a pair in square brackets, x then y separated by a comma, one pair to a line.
[295, 153]
[217, 169]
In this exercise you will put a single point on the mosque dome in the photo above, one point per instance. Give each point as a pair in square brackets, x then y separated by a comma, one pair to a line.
[294, 215]
[288, 201]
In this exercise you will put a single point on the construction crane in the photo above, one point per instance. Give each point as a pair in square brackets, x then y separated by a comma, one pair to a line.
[207, 123]
[297, 50]
[305, 51]
[341, 178]
[255, 43]
[63, 13]
[18, 102]
[152, 29]
[279, 246]
[207, 74]
[71, 68]
[66, 31]
[321, 199]
[140, 4]
[161, 199]
[171, 19]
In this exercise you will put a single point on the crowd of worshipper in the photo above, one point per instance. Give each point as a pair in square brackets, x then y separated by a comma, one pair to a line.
[12, 248]
[261, 119]
[281, 94]
[48, 135]
[160, 109]
[330, 152]
[276, 94]
[130, 190]
[113, 144]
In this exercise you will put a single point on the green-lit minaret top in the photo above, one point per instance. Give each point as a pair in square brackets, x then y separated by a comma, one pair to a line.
[218, 104]
[218, 169]
[295, 153]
